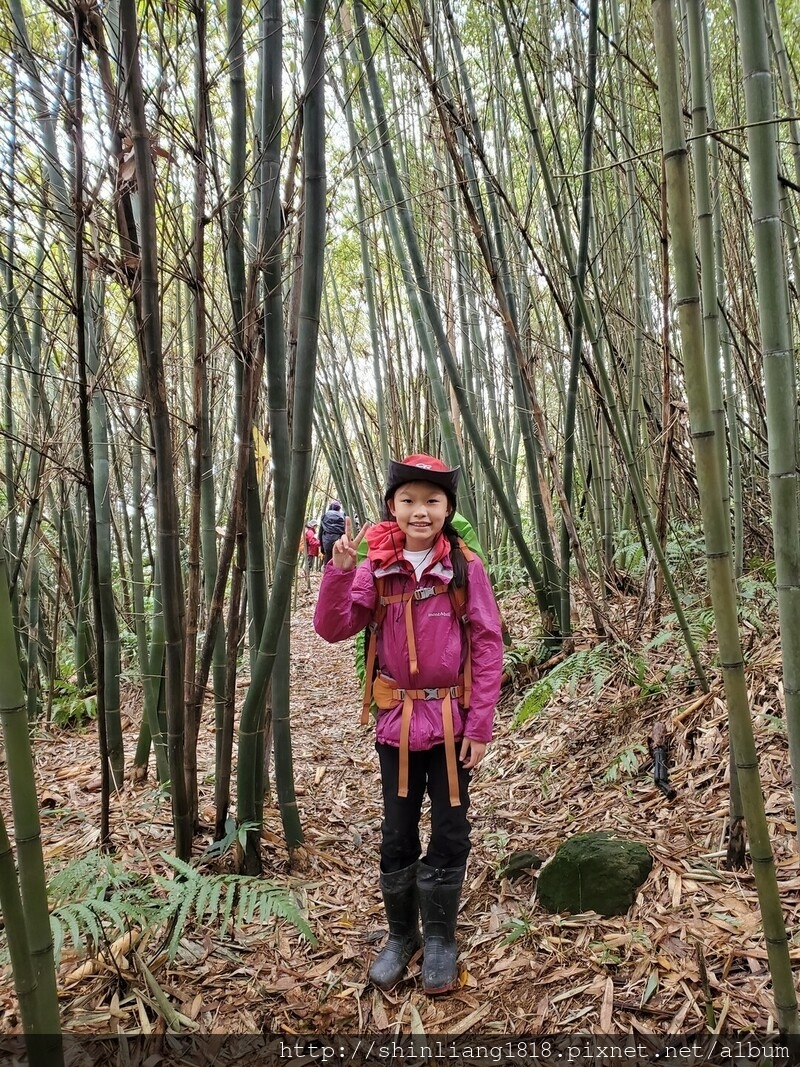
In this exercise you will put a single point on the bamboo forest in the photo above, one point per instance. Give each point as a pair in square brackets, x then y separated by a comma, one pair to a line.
[260, 260]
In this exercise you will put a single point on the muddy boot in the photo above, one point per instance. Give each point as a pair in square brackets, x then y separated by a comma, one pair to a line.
[439, 892]
[399, 891]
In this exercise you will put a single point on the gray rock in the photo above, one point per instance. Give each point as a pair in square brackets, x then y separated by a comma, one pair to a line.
[594, 872]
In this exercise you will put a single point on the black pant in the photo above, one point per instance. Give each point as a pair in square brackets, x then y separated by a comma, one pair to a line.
[449, 843]
[327, 550]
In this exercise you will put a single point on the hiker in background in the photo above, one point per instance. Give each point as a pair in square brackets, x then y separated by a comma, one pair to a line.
[331, 527]
[312, 546]
[439, 654]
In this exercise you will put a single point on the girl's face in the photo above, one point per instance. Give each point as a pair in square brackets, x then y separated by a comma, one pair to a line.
[420, 510]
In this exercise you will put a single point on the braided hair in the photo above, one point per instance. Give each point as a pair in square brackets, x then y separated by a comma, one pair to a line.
[457, 558]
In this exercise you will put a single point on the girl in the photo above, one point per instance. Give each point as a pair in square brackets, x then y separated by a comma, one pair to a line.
[440, 652]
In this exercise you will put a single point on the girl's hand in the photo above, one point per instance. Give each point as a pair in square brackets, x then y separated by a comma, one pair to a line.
[472, 752]
[345, 550]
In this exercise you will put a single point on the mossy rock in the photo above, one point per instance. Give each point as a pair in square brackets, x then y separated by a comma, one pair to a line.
[594, 872]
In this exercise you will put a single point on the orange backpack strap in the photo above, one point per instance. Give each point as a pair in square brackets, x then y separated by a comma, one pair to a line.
[372, 649]
[469, 555]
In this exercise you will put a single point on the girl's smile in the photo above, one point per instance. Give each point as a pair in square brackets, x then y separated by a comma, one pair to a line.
[420, 510]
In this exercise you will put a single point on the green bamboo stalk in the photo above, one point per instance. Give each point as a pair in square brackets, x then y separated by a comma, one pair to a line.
[83, 323]
[10, 333]
[83, 643]
[709, 283]
[27, 830]
[705, 230]
[786, 82]
[280, 418]
[635, 236]
[249, 775]
[208, 511]
[19, 948]
[388, 183]
[59, 189]
[715, 520]
[538, 490]
[735, 462]
[508, 315]
[369, 278]
[167, 517]
[579, 282]
[149, 655]
[98, 415]
[197, 299]
[778, 356]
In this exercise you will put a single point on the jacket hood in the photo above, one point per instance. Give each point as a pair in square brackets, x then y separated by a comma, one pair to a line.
[386, 542]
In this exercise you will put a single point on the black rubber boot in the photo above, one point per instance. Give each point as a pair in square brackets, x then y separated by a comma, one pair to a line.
[400, 900]
[439, 893]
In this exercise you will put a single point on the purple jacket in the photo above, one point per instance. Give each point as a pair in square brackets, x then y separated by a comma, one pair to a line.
[347, 603]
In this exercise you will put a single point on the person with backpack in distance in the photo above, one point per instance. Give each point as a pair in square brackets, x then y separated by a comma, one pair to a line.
[434, 666]
[311, 546]
[331, 527]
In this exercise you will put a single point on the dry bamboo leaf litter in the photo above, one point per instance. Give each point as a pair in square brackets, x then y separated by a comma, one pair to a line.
[523, 969]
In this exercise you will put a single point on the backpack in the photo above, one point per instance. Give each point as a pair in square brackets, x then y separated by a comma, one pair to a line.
[332, 525]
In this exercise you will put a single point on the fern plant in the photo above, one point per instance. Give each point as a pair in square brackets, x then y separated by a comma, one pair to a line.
[596, 663]
[699, 618]
[219, 898]
[94, 902]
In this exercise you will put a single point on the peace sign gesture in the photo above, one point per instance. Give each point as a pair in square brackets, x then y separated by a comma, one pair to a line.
[345, 550]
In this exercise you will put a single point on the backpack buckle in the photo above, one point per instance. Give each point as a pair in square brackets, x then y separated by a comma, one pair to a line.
[431, 694]
[425, 593]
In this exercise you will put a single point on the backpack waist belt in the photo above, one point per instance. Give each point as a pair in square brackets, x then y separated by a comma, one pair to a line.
[386, 697]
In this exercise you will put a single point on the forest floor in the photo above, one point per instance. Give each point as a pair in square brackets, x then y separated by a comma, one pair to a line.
[690, 945]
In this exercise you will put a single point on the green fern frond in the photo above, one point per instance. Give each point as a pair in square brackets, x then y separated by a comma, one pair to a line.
[535, 699]
[596, 663]
[280, 904]
[88, 919]
[183, 901]
[95, 901]
[227, 909]
[247, 899]
[663, 637]
[57, 934]
[184, 869]
[90, 876]
[68, 918]
[699, 620]
[217, 885]
[202, 898]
